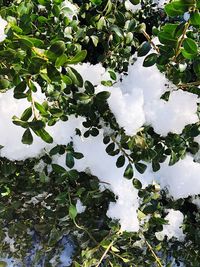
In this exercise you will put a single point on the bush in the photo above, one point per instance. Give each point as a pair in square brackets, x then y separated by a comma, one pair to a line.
[100, 125]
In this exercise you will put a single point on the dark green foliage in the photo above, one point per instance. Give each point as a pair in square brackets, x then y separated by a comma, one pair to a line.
[42, 45]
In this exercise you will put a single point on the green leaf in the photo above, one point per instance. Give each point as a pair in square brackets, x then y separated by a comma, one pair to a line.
[26, 114]
[113, 75]
[4, 84]
[31, 41]
[95, 40]
[20, 95]
[106, 140]
[79, 57]
[75, 77]
[32, 86]
[117, 31]
[94, 131]
[155, 166]
[72, 212]
[60, 61]
[141, 27]
[110, 148]
[25, 42]
[137, 184]
[135, 2]
[66, 79]
[45, 136]
[58, 169]
[53, 73]
[195, 18]
[69, 160]
[140, 167]
[167, 38]
[131, 25]
[41, 109]
[120, 161]
[89, 87]
[101, 23]
[19, 122]
[140, 215]
[103, 95]
[82, 97]
[190, 46]
[128, 173]
[187, 55]
[129, 37]
[177, 7]
[172, 11]
[144, 49]
[78, 155]
[196, 67]
[36, 124]
[20, 88]
[27, 137]
[173, 158]
[56, 49]
[107, 83]
[150, 60]
[55, 150]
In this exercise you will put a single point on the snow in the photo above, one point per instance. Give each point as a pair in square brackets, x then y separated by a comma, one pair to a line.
[180, 178]
[69, 9]
[13, 148]
[79, 206]
[172, 115]
[135, 8]
[132, 7]
[93, 73]
[10, 133]
[173, 228]
[10, 242]
[135, 102]
[128, 109]
[196, 201]
[103, 166]
[3, 24]
[161, 3]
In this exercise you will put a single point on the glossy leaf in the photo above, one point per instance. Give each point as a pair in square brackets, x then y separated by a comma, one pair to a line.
[69, 160]
[150, 60]
[128, 173]
[144, 49]
[120, 161]
[79, 57]
[190, 46]
[27, 137]
[72, 212]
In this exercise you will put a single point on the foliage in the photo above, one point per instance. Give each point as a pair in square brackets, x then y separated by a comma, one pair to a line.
[44, 41]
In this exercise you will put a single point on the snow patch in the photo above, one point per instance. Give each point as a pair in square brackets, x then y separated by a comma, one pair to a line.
[181, 179]
[3, 24]
[79, 206]
[173, 228]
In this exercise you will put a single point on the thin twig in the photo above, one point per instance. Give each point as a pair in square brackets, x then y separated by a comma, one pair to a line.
[81, 227]
[154, 254]
[186, 85]
[187, 24]
[121, 149]
[150, 41]
[105, 253]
